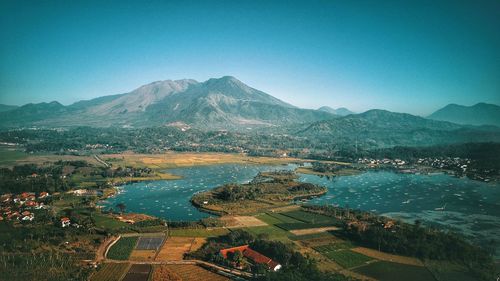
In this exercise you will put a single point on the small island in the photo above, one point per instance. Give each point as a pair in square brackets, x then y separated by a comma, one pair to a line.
[266, 191]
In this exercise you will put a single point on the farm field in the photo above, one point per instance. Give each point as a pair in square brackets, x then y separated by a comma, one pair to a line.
[345, 258]
[162, 273]
[447, 271]
[309, 231]
[138, 272]
[122, 249]
[110, 272]
[273, 232]
[197, 232]
[283, 218]
[190, 272]
[149, 243]
[175, 248]
[389, 271]
[338, 245]
[142, 255]
[309, 217]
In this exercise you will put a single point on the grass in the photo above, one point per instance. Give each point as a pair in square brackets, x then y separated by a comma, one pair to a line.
[389, 271]
[121, 250]
[273, 232]
[9, 155]
[447, 271]
[110, 272]
[104, 222]
[283, 218]
[268, 219]
[341, 245]
[309, 217]
[346, 258]
[198, 232]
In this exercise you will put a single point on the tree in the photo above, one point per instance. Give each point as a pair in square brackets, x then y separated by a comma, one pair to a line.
[121, 206]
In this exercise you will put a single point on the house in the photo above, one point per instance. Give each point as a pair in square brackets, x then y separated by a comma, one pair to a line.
[43, 195]
[65, 222]
[389, 224]
[252, 255]
[27, 216]
[31, 204]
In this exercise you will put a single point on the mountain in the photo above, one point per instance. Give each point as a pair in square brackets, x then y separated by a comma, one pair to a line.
[5, 107]
[223, 103]
[478, 114]
[341, 111]
[381, 128]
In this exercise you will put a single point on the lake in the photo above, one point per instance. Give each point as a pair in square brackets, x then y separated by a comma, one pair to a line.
[469, 207]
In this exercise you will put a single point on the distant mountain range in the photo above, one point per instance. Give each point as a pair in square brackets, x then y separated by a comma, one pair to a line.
[227, 103]
[341, 111]
[478, 114]
[224, 103]
[381, 128]
[4, 107]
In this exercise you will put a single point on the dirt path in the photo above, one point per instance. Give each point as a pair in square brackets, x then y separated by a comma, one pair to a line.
[103, 248]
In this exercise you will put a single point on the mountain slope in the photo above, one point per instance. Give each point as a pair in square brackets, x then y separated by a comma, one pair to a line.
[5, 107]
[341, 111]
[380, 128]
[478, 114]
[224, 103]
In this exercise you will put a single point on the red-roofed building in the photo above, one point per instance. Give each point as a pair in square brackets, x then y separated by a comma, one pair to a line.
[252, 255]
[65, 222]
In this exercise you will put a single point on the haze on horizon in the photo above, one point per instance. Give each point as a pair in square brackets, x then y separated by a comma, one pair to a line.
[412, 56]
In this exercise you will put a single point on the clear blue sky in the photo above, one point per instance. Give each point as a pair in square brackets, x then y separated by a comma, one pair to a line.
[406, 56]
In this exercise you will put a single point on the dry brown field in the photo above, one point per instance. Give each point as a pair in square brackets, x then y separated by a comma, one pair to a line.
[313, 230]
[241, 221]
[174, 248]
[142, 255]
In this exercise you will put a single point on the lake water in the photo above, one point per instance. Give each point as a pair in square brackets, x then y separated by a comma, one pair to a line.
[169, 199]
[470, 207]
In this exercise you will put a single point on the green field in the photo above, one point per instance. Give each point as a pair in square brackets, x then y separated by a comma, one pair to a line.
[9, 155]
[110, 272]
[389, 271]
[309, 217]
[268, 219]
[447, 271]
[273, 232]
[197, 232]
[346, 258]
[104, 222]
[283, 218]
[121, 250]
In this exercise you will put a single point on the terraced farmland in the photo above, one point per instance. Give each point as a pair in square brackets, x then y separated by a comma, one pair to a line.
[110, 272]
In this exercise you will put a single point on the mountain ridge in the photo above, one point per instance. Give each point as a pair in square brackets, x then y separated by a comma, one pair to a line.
[477, 114]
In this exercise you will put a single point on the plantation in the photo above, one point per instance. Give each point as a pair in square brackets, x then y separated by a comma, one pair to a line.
[389, 271]
[110, 272]
[121, 250]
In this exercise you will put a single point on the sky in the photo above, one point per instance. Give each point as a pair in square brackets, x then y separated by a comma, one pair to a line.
[403, 56]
